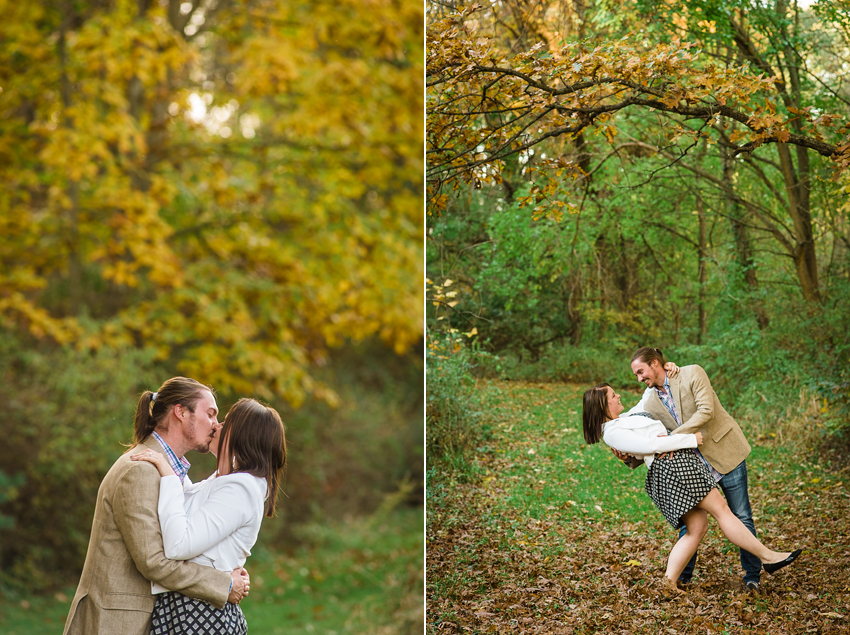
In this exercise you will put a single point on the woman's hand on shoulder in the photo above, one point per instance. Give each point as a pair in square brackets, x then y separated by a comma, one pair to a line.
[671, 369]
[159, 461]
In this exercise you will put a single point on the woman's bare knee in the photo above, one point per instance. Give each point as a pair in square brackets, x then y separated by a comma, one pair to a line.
[696, 522]
[714, 504]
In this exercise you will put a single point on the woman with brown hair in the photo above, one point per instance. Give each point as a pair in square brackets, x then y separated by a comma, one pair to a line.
[680, 485]
[216, 522]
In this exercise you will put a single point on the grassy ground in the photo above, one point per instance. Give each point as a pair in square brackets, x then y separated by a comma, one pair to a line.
[364, 576]
[541, 533]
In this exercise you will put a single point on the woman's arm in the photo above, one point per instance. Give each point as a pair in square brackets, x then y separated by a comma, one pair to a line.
[632, 442]
[184, 536]
[134, 504]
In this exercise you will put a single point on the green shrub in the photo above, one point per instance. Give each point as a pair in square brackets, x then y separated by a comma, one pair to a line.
[790, 379]
[9, 486]
[345, 460]
[453, 416]
[834, 392]
[66, 416]
[565, 363]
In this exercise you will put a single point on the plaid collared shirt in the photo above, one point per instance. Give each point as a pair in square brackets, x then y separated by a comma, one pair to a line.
[179, 464]
[667, 399]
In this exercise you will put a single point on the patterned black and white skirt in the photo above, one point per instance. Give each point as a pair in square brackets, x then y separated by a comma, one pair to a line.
[676, 485]
[176, 614]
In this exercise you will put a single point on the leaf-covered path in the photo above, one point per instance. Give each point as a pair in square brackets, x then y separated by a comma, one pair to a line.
[543, 534]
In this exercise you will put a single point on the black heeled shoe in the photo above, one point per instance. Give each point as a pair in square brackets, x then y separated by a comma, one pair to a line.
[773, 567]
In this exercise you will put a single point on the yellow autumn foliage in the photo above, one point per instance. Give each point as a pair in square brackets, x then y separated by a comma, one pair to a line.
[236, 186]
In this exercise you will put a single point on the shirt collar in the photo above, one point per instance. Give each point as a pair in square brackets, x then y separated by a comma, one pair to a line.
[666, 387]
[178, 463]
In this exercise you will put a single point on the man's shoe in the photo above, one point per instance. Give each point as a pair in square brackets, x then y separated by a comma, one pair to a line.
[776, 566]
[752, 587]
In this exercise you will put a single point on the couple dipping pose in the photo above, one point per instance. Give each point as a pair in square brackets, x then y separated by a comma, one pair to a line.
[690, 445]
[166, 555]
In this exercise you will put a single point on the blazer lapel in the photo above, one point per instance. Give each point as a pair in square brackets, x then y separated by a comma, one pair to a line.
[676, 391]
[659, 411]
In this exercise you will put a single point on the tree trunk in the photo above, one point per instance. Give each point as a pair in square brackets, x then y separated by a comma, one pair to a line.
[703, 248]
[796, 180]
[797, 187]
[743, 249]
[804, 255]
[574, 300]
[576, 289]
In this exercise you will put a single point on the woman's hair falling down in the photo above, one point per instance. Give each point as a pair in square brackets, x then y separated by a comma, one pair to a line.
[255, 437]
[594, 413]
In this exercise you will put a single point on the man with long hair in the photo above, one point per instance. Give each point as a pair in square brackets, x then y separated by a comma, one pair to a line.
[686, 404]
[125, 553]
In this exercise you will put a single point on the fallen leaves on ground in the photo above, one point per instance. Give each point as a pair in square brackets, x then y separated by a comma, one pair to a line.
[492, 568]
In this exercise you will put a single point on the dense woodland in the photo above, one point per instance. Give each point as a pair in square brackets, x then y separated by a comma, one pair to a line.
[604, 175]
[609, 174]
[229, 190]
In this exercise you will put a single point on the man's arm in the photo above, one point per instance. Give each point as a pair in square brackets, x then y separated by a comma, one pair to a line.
[703, 393]
[631, 461]
[134, 506]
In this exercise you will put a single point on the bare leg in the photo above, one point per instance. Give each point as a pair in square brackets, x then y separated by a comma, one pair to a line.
[696, 521]
[735, 530]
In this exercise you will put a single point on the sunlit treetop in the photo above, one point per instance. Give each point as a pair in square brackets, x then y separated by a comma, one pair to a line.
[235, 186]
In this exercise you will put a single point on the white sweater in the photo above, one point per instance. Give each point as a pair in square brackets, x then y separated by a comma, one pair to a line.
[213, 523]
[638, 436]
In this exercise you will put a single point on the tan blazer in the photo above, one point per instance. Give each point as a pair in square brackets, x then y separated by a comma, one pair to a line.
[125, 554]
[724, 445]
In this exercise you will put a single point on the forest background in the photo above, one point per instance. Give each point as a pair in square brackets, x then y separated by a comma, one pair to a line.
[608, 174]
[229, 190]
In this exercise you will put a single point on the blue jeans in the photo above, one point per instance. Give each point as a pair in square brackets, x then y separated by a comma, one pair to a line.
[734, 486]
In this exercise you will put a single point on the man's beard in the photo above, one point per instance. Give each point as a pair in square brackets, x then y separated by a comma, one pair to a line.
[203, 447]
